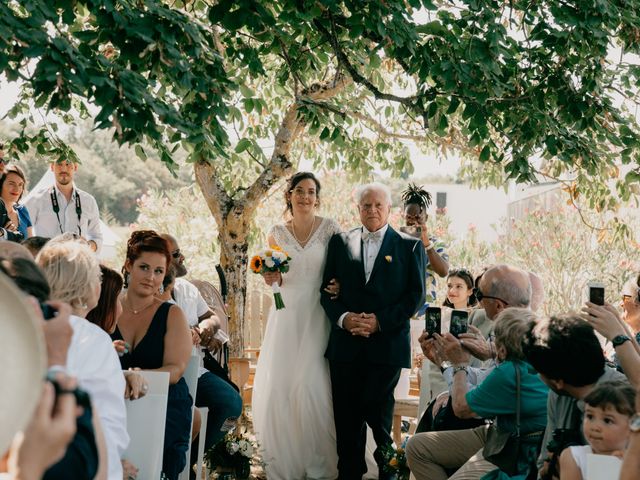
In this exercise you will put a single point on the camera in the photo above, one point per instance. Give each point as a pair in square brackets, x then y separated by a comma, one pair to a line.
[413, 230]
[433, 320]
[48, 311]
[596, 293]
[82, 397]
[459, 322]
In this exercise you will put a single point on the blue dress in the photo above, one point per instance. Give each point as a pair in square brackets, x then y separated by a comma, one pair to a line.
[24, 220]
[147, 355]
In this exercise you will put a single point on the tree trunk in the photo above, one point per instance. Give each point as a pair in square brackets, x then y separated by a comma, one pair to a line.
[234, 216]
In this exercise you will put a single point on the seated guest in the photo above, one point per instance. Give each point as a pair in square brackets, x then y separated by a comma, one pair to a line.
[430, 455]
[159, 337]
[630, 305]
[608, 409]
[34, 244]
[567, 354]
[73, 274]
[12, 186]
[87, 450]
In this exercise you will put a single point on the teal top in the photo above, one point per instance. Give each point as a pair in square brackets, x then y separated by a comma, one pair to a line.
[495, 397]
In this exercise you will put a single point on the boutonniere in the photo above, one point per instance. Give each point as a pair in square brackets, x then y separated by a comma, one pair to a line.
[388, 258]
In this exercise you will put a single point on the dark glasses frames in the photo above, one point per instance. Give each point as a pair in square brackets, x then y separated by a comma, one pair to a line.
[479, 295]
[176, 254]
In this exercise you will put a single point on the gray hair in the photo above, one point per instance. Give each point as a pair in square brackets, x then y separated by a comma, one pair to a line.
[375, 186]
[511, 285]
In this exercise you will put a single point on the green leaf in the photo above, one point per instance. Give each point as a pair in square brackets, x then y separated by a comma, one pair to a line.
[242, 145]
[246, 91]
[140, 152]
[484, 154]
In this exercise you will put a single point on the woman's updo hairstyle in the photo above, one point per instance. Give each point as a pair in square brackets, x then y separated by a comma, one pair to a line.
[293, 181]
[142, 241]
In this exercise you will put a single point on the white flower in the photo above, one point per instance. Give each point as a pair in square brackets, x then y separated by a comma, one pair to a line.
[268, 262]
[232, 448]
[246, 448]
[280, 256]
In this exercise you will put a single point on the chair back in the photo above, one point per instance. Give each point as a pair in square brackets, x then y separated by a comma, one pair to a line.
[146, 419]
[190, 376]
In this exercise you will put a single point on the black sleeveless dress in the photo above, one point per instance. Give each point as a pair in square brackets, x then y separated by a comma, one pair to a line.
[148, 355]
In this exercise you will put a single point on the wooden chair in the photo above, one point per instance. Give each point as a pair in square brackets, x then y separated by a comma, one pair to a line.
[239, 372]
[191, 377]
[404, 407]
[145, 424]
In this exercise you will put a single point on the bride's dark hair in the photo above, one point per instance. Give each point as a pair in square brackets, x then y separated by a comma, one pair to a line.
[294, 180]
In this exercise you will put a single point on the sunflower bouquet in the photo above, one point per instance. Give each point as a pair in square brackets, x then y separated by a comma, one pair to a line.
[273, 259]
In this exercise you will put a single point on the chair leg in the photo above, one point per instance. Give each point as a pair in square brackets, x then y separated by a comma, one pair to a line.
[204, 413]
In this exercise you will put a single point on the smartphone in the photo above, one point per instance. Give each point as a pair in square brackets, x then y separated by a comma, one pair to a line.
[459, 322]
[413, 230]
[596, 293]
[433, 320]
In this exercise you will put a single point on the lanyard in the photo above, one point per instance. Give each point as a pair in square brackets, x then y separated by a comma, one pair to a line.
[56, 209]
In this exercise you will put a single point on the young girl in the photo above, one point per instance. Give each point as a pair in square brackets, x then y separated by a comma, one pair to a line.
[606, 427]
[460, 289]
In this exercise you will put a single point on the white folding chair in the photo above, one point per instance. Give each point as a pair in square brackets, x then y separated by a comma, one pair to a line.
[145, 424]
[191, 377]
[200, 466]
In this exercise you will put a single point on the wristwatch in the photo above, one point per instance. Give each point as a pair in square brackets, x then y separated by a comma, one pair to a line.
[460, 368]
[619, 340]
[634, 423]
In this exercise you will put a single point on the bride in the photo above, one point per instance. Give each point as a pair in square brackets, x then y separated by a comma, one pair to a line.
[292, 409]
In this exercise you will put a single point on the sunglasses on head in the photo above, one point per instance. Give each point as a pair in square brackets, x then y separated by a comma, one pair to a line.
[479, 296]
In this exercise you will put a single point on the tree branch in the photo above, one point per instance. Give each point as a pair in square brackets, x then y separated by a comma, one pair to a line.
[216, 196]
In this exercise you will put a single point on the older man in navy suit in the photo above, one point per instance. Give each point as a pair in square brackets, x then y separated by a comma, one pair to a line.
[381, 275]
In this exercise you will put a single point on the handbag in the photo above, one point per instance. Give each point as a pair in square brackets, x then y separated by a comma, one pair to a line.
[219, 369]
[503, 449]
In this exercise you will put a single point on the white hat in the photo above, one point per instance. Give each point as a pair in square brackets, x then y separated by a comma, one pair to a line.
[23, 361]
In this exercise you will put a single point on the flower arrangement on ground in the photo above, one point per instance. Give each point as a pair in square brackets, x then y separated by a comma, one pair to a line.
[395, 460]
[272, 259]
[233, 452]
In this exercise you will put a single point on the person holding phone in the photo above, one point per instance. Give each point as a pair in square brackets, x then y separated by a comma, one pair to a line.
[416, 201]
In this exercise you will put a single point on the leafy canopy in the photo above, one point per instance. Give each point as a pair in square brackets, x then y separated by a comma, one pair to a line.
[522, 87]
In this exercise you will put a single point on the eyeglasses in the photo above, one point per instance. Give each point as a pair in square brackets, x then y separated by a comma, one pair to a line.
[298, 192]
[176, 254]
[626, 298]
[480, 296]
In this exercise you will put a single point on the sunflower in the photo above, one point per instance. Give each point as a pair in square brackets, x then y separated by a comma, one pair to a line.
[256, 264]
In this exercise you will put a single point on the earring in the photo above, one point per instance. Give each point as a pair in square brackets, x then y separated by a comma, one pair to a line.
[126, 280]
[161, 289]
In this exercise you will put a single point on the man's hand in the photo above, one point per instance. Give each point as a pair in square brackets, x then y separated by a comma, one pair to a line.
[604, 319]
[208, 329]
[44, 441]
[474, 342]
[362, 324]
[453, 349]
[430, 348]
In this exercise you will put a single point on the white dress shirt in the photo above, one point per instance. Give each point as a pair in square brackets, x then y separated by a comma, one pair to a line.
[189, 299]
[45, 221]
[370, 249]
[94, 362]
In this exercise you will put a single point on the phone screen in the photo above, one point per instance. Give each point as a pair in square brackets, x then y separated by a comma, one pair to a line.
[412, 230]
[596, 295]
[433, 320]
[459, 322]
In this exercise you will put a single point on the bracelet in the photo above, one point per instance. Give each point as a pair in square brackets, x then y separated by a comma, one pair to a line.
[431, 246]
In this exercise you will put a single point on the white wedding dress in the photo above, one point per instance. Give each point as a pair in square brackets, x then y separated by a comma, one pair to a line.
[292, 407]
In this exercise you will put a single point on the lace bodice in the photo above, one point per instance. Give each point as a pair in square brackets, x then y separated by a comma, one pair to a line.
[307, 263]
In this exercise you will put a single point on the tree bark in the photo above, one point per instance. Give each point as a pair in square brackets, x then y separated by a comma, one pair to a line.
[234, 216]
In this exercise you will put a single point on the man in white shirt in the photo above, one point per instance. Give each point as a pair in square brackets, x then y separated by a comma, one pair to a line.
[64, 208]
[223, 401]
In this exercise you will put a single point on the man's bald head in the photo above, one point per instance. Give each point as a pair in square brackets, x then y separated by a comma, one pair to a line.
[177, 259]
[10, 250]
[504, 286]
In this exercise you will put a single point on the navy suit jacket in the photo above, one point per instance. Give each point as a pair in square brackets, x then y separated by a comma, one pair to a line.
[394, 292]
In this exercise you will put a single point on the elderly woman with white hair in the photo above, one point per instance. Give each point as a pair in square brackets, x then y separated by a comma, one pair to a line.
[73, 273]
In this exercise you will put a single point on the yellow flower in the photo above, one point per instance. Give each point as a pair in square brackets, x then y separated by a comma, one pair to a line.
[388, 258]
[268, 253]
[276, 248]
[393, 462]
[256, 264]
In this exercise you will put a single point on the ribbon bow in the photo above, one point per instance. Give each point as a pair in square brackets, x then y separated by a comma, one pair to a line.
[371, 236]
